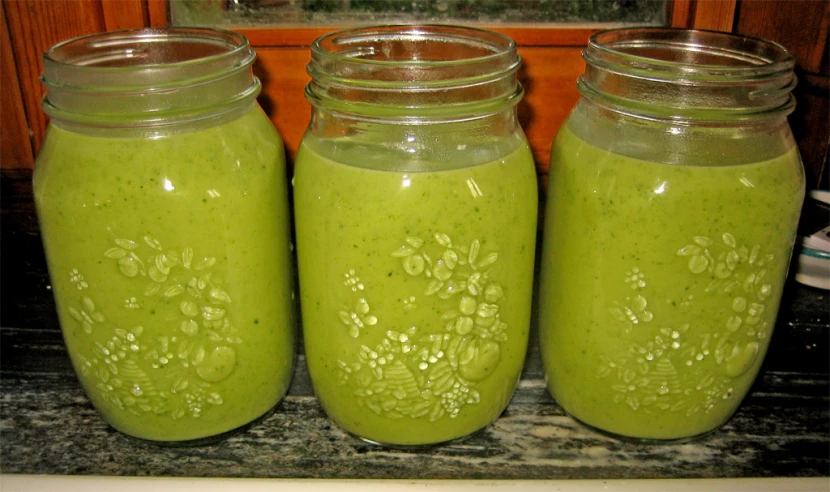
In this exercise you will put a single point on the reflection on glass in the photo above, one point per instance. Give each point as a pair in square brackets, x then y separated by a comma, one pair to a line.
[261, 12]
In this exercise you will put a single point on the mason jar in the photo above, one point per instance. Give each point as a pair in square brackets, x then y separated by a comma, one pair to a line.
[415, 202]
[162, 200]
[675, 188]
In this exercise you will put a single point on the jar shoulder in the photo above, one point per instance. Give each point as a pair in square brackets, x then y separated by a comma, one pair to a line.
[248, 139]
[645, 185]
[722, 143]
[414, 149]
[233, 154]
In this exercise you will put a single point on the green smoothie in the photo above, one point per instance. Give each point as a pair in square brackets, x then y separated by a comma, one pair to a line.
[660, 285]
[170, 266]
[415, 291]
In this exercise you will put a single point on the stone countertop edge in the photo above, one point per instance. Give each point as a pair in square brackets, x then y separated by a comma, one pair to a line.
[31, 483]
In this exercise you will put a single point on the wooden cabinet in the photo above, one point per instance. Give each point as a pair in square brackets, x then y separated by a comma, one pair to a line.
[552, 57]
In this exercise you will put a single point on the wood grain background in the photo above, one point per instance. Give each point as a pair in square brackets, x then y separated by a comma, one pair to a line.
[552, 56]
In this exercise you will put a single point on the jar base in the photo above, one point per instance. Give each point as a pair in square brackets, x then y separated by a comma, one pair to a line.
[642, 440]
[411, 447]
[204, 441]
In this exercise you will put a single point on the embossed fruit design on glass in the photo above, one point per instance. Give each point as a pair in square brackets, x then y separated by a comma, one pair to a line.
[674, 193]
[162, 199]
[415, 201]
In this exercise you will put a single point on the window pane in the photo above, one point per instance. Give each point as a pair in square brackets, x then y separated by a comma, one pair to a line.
[322, 12]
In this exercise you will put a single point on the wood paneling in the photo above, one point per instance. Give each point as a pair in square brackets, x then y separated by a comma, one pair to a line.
[124, 14]
[35, 26]
[15, 144]
[283, 76]
[717, 15]
[811, 126]
[549, 77]
[800, 25]
[157, 12]
[682, 13]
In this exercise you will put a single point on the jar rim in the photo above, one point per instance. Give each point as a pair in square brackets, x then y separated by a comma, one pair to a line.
[414, 73]
[234, 43]
[148, 76]
[688, 74]
[499, 43]
[738, 54]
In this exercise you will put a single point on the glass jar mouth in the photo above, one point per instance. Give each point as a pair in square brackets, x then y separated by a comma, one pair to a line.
[78, 51]
[134, 58]
[685, 74]
[670, 52]
[148, 77]
[359, 45]
[414, 71]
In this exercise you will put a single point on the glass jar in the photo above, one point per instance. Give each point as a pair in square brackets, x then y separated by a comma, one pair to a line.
[675, 188]
[162, 199]
[415, 202]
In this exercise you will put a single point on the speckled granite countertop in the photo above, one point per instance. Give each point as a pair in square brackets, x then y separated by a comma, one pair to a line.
[47, 426]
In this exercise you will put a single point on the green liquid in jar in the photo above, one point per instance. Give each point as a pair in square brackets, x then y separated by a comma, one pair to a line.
[415, 291]
[660, 285]
[171, 270]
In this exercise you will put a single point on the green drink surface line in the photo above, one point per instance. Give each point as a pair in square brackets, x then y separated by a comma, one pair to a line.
[171, 270]
[415, 291]
[660, 285]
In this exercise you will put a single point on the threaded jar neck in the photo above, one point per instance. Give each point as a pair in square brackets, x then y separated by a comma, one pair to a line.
[148, 77]
[414, 73]
[694, 75]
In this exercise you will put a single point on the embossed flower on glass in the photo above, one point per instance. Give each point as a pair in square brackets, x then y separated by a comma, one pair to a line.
[353, 281]
[110, 389]
[120, 345]
[86, 314]
[431, 375]
[161, 353]
[739, 271]
[76, 279]
[204, 306]
[628, 392]
[649, 374]
[376, 360]
[128, 261]
[358, 318]
[635, 278]
[191, 362]
[404, 339]
[632, 312]
[346, 370]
